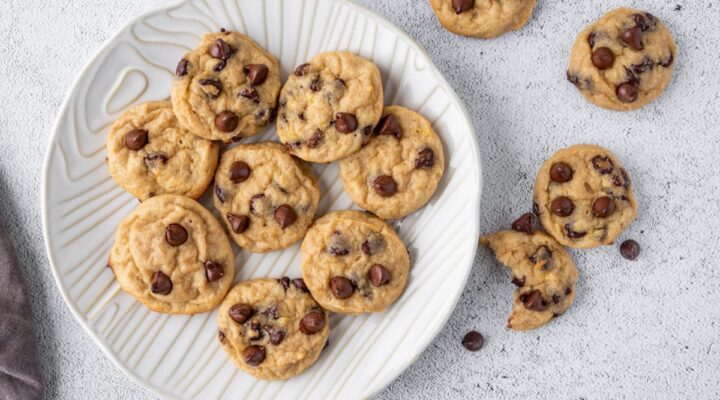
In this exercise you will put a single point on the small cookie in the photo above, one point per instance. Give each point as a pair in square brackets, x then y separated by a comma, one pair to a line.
[172, 255]
[227, 88]
[623, 61]
[584, 197]
[353, 263]
[542, 270]
[399, 170]
[272, 328]
[149, 154]
[329, 106]
[267, 197]
[483, 18]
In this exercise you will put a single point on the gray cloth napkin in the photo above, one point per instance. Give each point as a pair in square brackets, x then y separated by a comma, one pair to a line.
[20, 373]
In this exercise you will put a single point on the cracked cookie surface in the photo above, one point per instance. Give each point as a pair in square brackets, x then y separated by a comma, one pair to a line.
[227, 88]
[353, 262]
[483, 18]
[272, 328]
[584, 196]
[623, 61]
[329, 106]
[149, 154]
[543, 272]
[172, 255]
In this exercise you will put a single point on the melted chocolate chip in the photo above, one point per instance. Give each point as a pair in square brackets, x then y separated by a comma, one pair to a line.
[315, 140]
[214, 83]
[473, 341]
[136, 139]
[519, 282]
[256, 73]
[602, 164]
[253, 200]
[285, 216]
[312, 323]
[251, 94]
[301, 70]
[667, 63]
[276, 335]
[379, 275]
[182, 67]
[241, 312]
[526, 223]
[341, 287]
[562, 206]
[300, 285]
[175, 234]
[425, 158]
[338, 247]
[213, 271]
[239, 171]
[152, 159]
[385, 186]
[573, 234]
[161, 283]
[533, 301]
[315, 85]
[220, 66]
[345, 122]
[372, 244]
[238, 223]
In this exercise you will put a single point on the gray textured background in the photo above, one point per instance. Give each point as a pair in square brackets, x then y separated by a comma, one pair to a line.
[644, 329]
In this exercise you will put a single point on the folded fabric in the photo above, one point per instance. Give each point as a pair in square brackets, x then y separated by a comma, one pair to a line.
[20, 372]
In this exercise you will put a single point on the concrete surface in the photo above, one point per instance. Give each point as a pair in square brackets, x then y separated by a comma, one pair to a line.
[644, 329]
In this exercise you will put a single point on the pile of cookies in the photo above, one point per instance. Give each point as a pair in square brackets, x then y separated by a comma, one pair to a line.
[175, 256]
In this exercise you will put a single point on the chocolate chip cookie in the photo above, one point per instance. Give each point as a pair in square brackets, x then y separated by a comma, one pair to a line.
[172, 255]
[584, 196]
[226, 89]
[353, 262]
[483, 18]
[542, 270]
[329, 106]
[398, 171]
[623, 61]
[267, 197]
[149, 154]
[272, 328]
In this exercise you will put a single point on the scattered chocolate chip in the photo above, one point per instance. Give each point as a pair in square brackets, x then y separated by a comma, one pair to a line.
[152, 159]
[285, 216]
[473, 341]
[241, 312]
[220, 50]
[562, 206]
[256, 73]
[312, 323]
[526, 223]
[379, 275]
[220, 66]
[338, 246]
[220, 193]
[622, 180]
[299, 284]
[543, 255]
[276, 335]
[603, 206]
[389, 126]
[175, 234]
[630, 249]
[345, 122]
[591, 39]
[315, 140]
[315, 85]
[272, 311]
[425, 158]
[602, 164]
[254, 355]
[633, 38]
[385, 186]
[519, 282]
[372, 244]
[603, 58]
[226, 121]
[627, 92]
[284, 282]
[214, 83]
[213, 271]
[341, 287]
[645, 65]
[182, 67]
[561, 172]
[367, 135]
[238, 223]
[301, 70]
[251, 94]
[572, 234]
[556, 298]
[136, 139]
[161, 283]
[253, 200]
[644, 22]
[239, 171]
[221, 336]
[256, 327]
[460, 6]
[669, 61]
[533, 301]
[573, 78]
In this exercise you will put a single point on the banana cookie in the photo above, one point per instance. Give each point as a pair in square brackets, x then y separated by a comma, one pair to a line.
[483, 18]
[149, 154]
[173, 256]
[329, 106]
[542, 270]
[398, 171]
[227, 88]
[584, 197]
[623, 61]
[272, 328]
[267, 197]
[353, 263]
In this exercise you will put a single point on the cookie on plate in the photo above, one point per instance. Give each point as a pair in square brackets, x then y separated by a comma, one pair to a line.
[267, 197]
[542, 270]
[172, 255]
[623, 61]
[483, 18]
[149, 154]
[226, 89]
[398, 171]
[584, 197]
[272, 328]
[329, 106]
[353, 262]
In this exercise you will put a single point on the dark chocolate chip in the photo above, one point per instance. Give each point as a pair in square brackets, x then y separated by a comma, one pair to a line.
[573, 78]
[379, 275]
[372, 244]
[315, 85]
[633, 38]
[561, 172]
[603, 206]
[519, 282]
[536, 209]
[645, 65]
[254, 355]
[241, 312]
[630, 249]
[299, 284]
[226, 121]
[312, 323]
[221, 336]
[253, 200]
[425, 158]
[220, 66]
[214, 83]
[572, 234]
[182, 67]
[151, 160]
[220, 50]
[345, 122]
[285, 216]
[389, 126]
[315, 140]
[161, 283]
[220, 193]
[591, 39]
[301, 70]
[602, 164]
[338, 246]
[175, 234]
[562, 206]
[238, 223]
[385, 186]
[251, 94]
[256, 73]
[239, 171]
[136, 139]
[644, 22]
[533, 301]
[667, 63]
[341, 287]
[556, 298]
[284, 282]
[526, 223]
[460, 6]
[276, 335]
[627, 92]
[473, 341]
[272, 311]
[213, 271]
[603, 58]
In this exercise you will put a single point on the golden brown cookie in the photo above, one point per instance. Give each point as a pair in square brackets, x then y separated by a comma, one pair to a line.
[483, 18]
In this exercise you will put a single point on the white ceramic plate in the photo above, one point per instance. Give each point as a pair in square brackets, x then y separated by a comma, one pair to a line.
[178, 356]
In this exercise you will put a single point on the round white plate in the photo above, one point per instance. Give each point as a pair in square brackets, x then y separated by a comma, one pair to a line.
[178, 356]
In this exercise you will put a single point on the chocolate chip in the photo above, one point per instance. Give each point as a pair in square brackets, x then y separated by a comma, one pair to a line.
[645, 65]
[220, 66]
[220, 193]
[603, 58]
[151, 160]
[272, 311]
[254, 355]
[573, 78]
[473, 341]
[251, 94]
[161, 283]
[602, 164]
[285, 216]
[345, 122]
[591, 39]
[214, 83]
[239, 171]
[389, 126]
[302, 69]
[238, 223]
[526, 223]
[338, 247]
[301, 116]
[220, 50]
[284, 282]
[256, 327]
[276, 335]
[622, 179]
[425, 158]
[385, 186]
[536, 209]
[315, 140]
[460, 6]
[341, 287]
[312, 323]
[175, 234]
[633, 38]
[379, 275]
[561, 172]
[669, 61]
[542, 255]
[533, 301]
[253, 200]
[256, 73]
[627, 92]
[182, 67]
[603, 206]
[562, 206]
[519, 282]
[644, 22]
[556, 298]
[213, 271]
[630, 249]
[136, 139]
[572, 234]
[568, 291]
[372, 244]
[241, 312]
[221, 336]
[315, 85]
[226, 121]
[300, 285]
